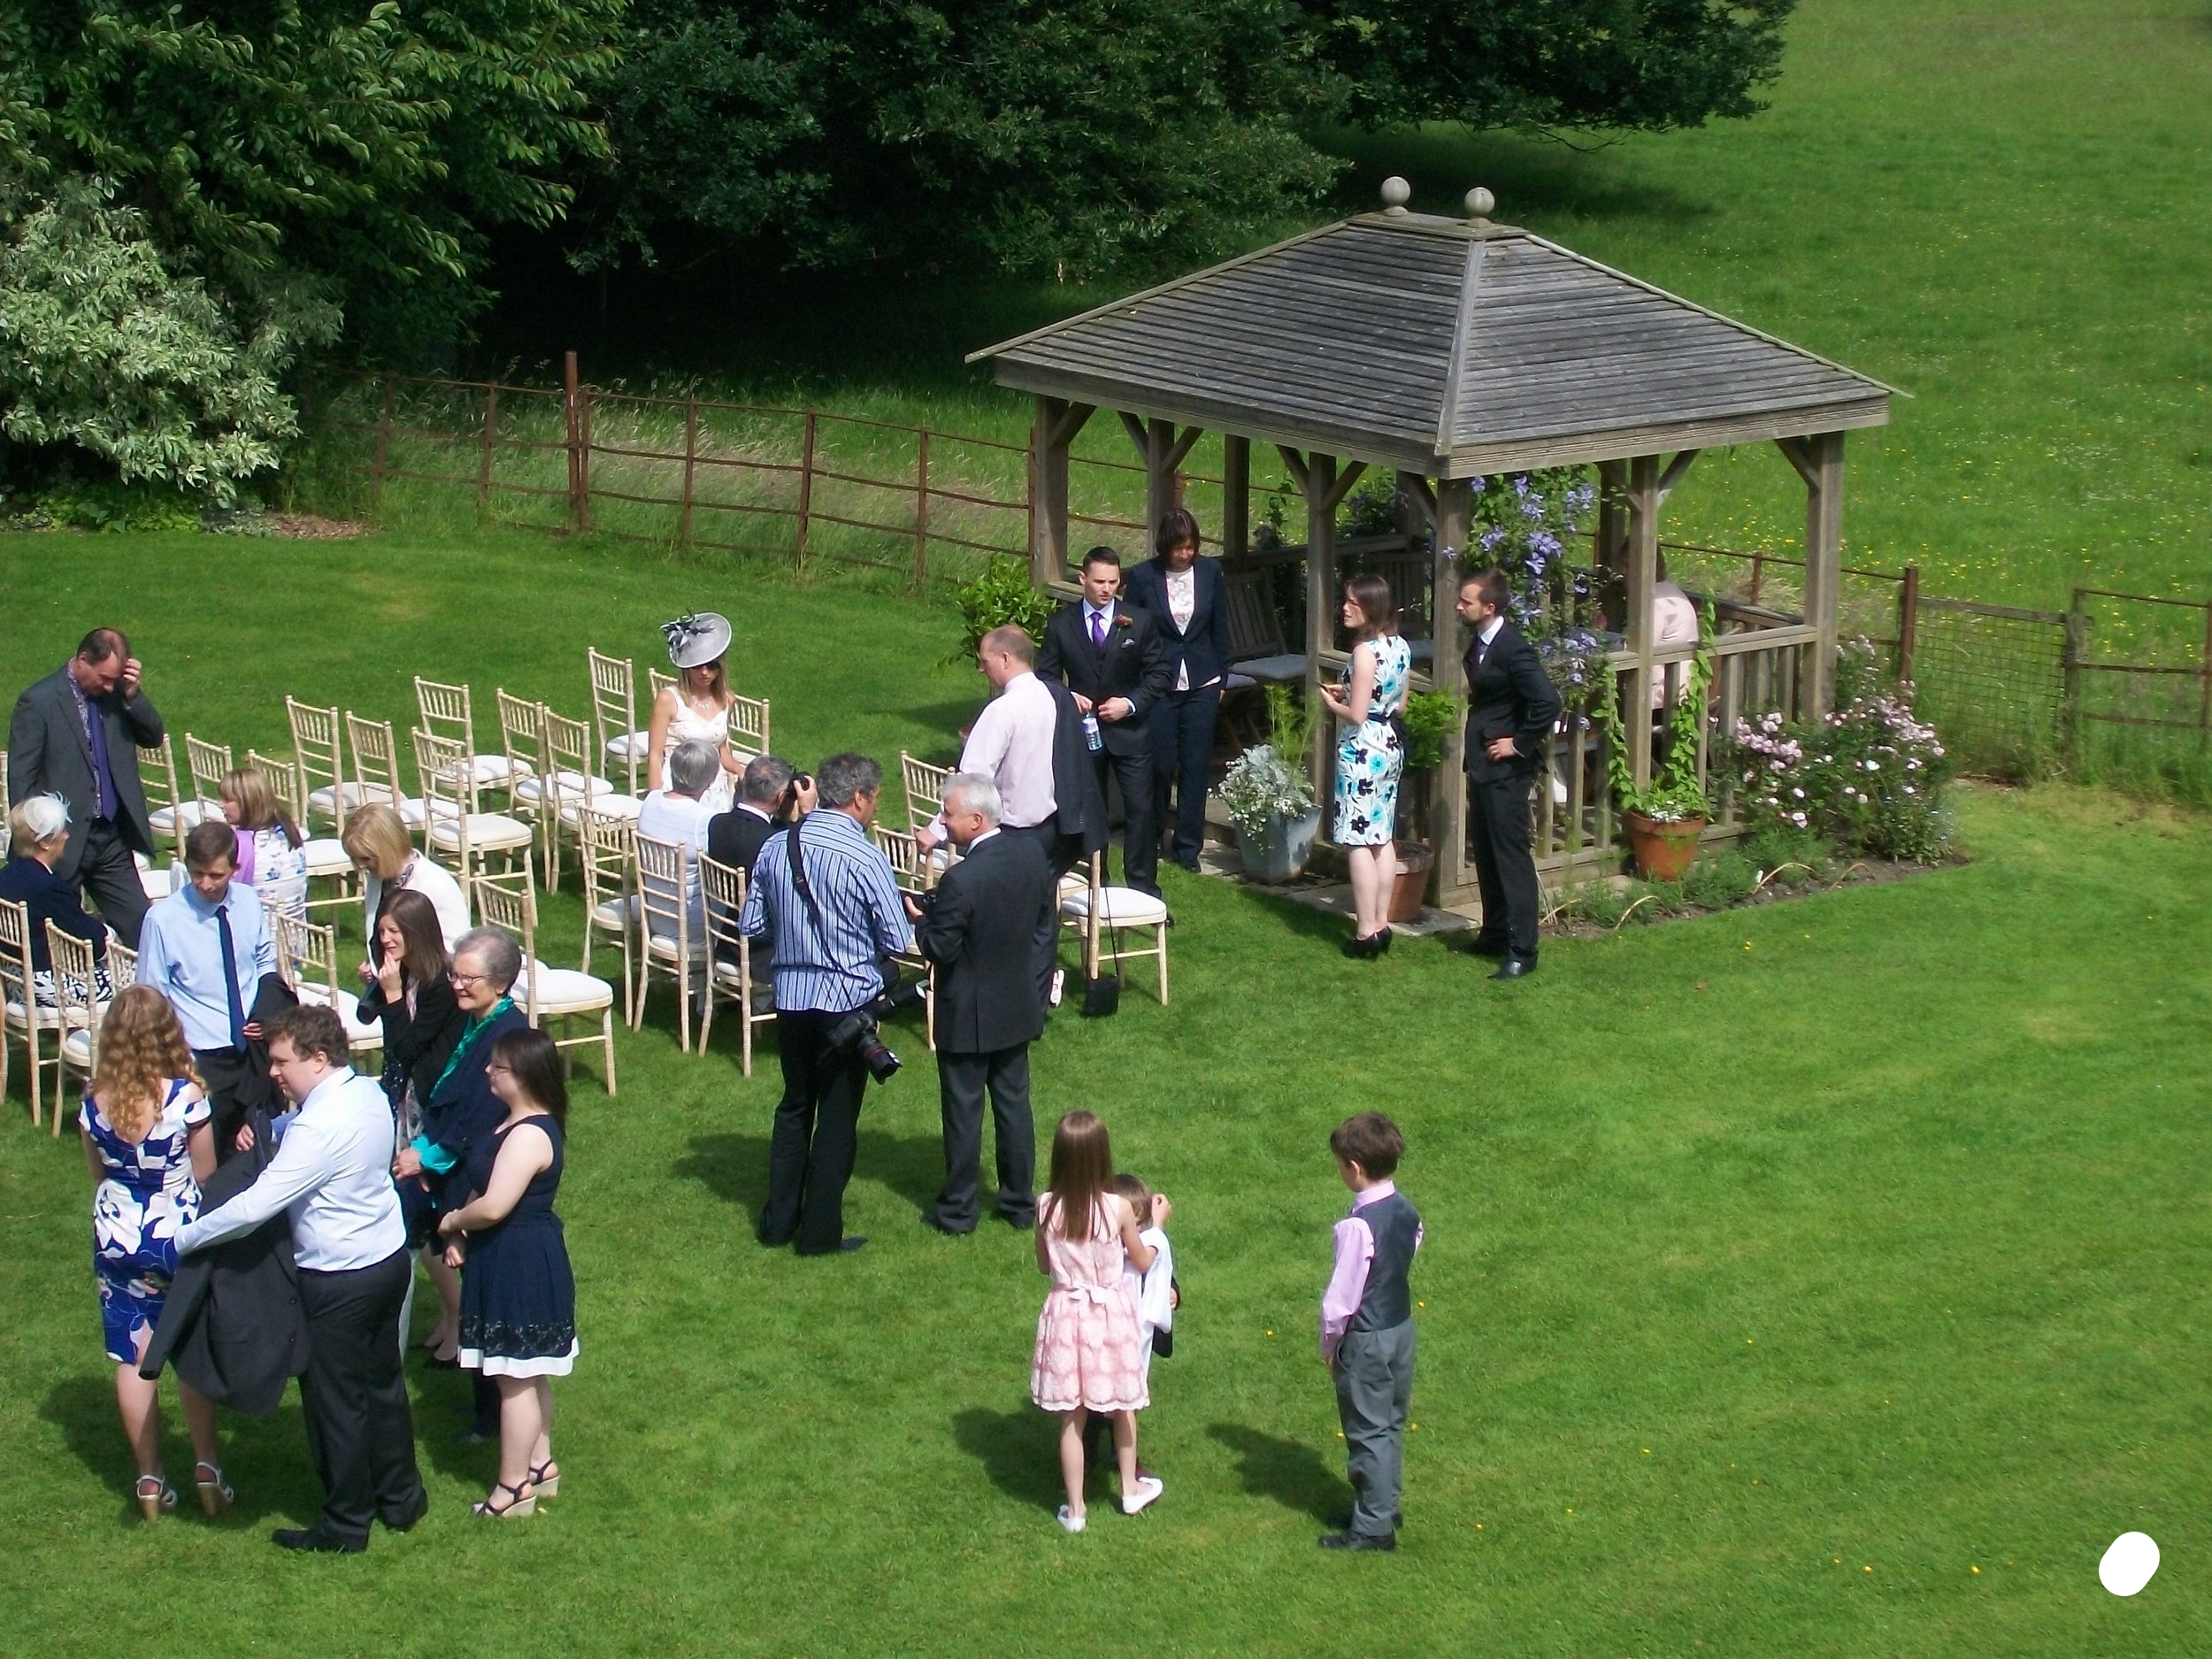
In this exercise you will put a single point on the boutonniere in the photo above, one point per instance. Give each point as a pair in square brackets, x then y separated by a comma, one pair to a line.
[1122, 619]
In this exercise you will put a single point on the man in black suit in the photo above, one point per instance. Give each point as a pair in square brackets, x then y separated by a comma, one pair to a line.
[1511, 706]
[76, 733]
[1188, 600]
[774, 794]
[977, 926]
[1112, 658]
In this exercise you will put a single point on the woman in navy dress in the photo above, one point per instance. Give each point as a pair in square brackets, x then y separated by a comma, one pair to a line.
[517, 1296]
[148, 1144]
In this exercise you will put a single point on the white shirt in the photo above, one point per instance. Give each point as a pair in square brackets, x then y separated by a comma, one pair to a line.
[432, 879]
[1154, 1290]
[333, 1172]
[669, 816]
[1011, 744]
[1673, 622]
[1182, 604]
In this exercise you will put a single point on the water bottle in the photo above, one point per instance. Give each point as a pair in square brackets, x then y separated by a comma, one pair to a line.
[1093, 739]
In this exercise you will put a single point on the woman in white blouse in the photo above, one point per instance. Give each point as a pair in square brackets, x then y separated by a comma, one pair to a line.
[1189, 604]
[376, 838]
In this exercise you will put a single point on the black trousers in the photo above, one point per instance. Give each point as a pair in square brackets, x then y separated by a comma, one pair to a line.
[1140, 827]
[1498, 825]
[810, 1150]
[360, 1429]
[1062, 853]
[962, 1080]
[1182, 747]
[108, 876]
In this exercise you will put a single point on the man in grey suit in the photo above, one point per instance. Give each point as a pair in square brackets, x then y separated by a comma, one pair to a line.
[76, 733]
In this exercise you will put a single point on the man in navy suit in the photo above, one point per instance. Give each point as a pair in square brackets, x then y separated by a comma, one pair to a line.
[1511, 707]
[1112, 660]
[1185, 599]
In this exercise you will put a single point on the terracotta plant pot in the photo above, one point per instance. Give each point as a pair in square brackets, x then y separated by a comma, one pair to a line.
[1415, 862]
[1663, 852]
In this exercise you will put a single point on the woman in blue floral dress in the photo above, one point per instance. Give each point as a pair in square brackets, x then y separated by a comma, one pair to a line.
[1369, 757]
[148, 1141]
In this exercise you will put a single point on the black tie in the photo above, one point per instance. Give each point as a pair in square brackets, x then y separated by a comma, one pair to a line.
[230, 979]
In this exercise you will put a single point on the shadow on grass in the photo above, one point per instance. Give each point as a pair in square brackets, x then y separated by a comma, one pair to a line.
[1019, 1450]
[735, 1167]
[1293, 1474]
[265, 1458]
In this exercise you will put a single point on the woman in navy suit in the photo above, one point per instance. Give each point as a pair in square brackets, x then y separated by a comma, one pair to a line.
[1185, 597]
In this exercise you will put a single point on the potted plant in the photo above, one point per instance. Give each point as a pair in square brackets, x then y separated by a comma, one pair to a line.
[1666, 817]
[1268, 795]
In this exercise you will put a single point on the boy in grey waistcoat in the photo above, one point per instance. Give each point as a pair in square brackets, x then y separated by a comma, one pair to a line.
[1367, 1326]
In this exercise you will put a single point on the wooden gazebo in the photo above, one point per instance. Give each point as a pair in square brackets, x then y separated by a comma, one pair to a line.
[1449, 349]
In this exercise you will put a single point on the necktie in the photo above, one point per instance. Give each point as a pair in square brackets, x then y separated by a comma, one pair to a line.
[230, 979]
[1098, 630]
[102, 774]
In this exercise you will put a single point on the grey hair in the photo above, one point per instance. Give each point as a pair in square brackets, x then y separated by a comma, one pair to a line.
[691, 768]
[978, 792]
[34, 819]
[844, 776]
[767, 777]
[502, 957]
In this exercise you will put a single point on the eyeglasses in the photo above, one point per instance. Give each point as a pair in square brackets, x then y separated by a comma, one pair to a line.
[455, 977]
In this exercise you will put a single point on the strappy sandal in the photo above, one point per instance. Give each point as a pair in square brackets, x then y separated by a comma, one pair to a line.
[156, 1504]
[545, 1481]
[215, 1491]
[523, 1503]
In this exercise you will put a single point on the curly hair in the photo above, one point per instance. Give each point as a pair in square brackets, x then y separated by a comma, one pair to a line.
[142, 1048]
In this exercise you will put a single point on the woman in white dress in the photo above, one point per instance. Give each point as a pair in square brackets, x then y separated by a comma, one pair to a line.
[695, 709]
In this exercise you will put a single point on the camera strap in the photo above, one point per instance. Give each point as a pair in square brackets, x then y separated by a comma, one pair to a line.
[799, 881]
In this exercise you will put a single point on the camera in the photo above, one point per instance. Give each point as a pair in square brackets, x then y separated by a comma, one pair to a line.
[857, 1032]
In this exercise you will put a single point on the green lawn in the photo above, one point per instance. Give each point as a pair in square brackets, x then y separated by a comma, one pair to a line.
[1784, 1267]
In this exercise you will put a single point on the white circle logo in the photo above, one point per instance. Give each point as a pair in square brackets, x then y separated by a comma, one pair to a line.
[2128, 1565]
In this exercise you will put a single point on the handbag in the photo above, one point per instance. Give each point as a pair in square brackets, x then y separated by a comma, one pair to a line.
[1101, 992]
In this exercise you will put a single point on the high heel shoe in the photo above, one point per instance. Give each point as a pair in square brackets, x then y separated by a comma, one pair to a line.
[1383, 939]
[523, 1503]
[545, 1479]
[215, 1493]
[154, 1504]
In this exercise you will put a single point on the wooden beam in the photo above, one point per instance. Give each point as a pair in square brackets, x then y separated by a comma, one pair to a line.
[1675, 468]
[1047, 491]
[1454, 520]
[1236, 497]
[1181, 447]
[1417, 489]
[1794, 452]
[1642, 575]
[1073, 419]
[1823, 566]
[1296, 464]
[1321, 479]
[1139, 434]
[1611, 549]
[1351, 475]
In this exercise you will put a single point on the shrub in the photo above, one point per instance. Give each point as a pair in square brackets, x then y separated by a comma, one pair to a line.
[1001, 596]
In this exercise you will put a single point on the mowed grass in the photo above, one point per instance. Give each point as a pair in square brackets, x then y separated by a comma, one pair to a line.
[1783, 1268]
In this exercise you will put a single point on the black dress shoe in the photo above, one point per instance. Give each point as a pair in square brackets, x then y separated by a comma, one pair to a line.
[1514, 968]
[1480, 947]
[408, 1513]
[843, 1247]
[318, 1539]
[1020, 1224]
[1189, 863]
[936, 1224]
[1359, 1541]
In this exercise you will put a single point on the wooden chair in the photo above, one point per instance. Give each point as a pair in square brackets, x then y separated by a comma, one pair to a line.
[4, 785]
[122, 965]
[572, 785]
[167, 812]
[325, 797]
[749, 728]
[730, 958]
[446, 712]
[605, 847]
[670, 943]
[25, 1021]
[614, 715]
[77, 995]
[327, 859]
[307, 959]
[376, 770]
[914, 874]
[1100, 907]
[522, 741]
[925, 787]
[1257, 647]
[547, 992]
[453, 826]
[210, 764]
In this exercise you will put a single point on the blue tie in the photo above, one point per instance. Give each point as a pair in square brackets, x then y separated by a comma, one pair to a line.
[230, 979]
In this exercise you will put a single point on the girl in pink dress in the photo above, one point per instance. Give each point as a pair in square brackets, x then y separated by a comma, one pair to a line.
[1087, 1356]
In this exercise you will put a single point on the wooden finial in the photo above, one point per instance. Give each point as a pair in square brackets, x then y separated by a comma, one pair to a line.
[1480, 203]
[1395, 194]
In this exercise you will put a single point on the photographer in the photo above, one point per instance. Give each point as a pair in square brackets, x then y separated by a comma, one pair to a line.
[775, 794]
[824, 895]
[977, 926]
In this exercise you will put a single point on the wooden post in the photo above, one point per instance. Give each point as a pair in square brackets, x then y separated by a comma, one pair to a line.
[1163, 451]
[1612, 541]
[806, 493]
[2204, 666]
[1236, 497]
[1642, 573]
[691, 465]
[583, 460]
[1057, 424]
[575, 441]
[1823, 565]
[921, 510]
[1908, 622]
[1321, 589]
[491, 438]
[2073, 651]
[383, 445]
[1454, 515]
[1758, 572]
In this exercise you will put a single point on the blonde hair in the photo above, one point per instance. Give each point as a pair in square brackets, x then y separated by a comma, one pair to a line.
[377, 837]
[33, 821]
[258, 807]
[142, 1048]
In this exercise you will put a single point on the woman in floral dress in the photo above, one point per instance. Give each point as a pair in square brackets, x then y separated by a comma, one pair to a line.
[148, 1141]
[1371, 756]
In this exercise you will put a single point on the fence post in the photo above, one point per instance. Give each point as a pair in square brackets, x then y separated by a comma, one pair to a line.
[583, 459]
[383, 445]
[575, 445]
[921, 510]
[691, 462]
[2074, 648]
[1758, 571]
[2204, 667]
[491, 438]
[806, 493]
[1908, 622]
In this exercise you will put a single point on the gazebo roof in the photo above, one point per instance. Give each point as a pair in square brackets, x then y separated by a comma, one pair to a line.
[1446, 347]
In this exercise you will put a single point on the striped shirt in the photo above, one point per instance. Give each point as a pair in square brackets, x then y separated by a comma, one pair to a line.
[861, 910]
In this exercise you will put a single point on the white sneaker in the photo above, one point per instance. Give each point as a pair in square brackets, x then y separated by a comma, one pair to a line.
[1148, 1487]
[1073, 1523]
[1059, 984]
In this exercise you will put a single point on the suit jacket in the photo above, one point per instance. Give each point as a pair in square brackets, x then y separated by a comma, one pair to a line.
[1509, 696]
[231, 1322]
[423, 1041]
[1078, 805]
[1132, 665]
[735, 838]
[1202, 648]
[48, 754]
[980, 929]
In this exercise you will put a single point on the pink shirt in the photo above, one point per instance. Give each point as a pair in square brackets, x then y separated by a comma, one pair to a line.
[1354, 1253]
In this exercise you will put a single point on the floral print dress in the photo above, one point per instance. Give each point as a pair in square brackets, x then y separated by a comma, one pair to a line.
[1370, 757]
[147, 1194]
[1087, 1351]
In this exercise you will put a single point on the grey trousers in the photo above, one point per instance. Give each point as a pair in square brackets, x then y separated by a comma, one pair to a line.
[1374, 1393]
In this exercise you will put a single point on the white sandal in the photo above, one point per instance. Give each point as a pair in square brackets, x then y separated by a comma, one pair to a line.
[1073, 1523]
[1148, 1487]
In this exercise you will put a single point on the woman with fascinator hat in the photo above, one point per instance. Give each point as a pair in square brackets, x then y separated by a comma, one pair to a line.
[696, 708]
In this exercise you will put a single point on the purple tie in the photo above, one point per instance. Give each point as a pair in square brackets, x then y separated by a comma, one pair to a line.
[1098, 630]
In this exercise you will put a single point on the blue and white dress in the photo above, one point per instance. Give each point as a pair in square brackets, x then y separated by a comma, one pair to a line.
[146, 1194]
[1369, 757]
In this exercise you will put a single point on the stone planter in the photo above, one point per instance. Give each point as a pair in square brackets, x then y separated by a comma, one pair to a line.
[1280, 850]
[1662, 851]
[1415, 862]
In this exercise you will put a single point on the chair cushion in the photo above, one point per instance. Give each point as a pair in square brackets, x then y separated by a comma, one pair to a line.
[1238, 682]
[332, 802]
[566, 786]
[76, 1048]
[328, 857]
[611, 805]
[1289, 666]
[564, 990]
[661, 947]
[360, 1034]
[159, 883]
[637, 743]
[49, 1018]
[488, 832]
[183, 817]
[1120, 907]
[615, 912]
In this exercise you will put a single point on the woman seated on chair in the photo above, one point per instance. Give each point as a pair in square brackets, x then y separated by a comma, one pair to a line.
[38, 833]
[269, 857]
[376, 838]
